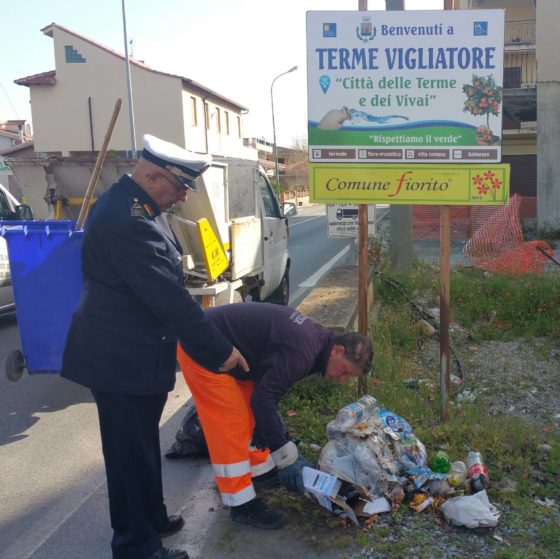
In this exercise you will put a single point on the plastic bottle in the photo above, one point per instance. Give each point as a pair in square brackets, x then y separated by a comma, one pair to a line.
[369, 403]
[349, 416]
[458, 474]
[334, 432]
[440, 462]
[477, 472]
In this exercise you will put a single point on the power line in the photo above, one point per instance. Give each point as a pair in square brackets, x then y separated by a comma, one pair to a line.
[9, 101]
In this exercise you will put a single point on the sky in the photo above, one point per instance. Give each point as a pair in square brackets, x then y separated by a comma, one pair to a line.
[235, 47]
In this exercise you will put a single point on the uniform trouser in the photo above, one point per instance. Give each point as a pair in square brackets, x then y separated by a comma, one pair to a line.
[130, 438]
[223, 406]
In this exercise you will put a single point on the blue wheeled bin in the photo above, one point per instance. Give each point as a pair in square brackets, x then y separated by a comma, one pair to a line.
[47, 282]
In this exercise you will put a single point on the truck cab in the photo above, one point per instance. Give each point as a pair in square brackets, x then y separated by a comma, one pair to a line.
[237, 199]
[10, 210]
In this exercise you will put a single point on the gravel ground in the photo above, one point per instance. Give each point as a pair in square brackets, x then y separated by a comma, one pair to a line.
[513, 378]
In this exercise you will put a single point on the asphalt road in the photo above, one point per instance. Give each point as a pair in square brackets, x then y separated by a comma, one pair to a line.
[313, 254]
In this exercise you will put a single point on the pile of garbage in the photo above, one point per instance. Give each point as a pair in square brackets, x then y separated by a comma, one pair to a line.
[373, 462]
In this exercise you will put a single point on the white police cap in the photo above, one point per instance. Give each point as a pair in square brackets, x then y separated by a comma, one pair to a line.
[185, 165]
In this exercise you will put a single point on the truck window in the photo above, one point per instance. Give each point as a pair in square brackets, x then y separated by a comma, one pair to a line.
[271, 207]
[5, 211]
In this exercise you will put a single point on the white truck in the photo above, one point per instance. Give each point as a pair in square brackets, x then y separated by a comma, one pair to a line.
[10, 210]
[235, 202]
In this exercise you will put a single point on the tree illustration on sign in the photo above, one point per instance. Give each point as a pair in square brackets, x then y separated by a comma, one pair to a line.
[487, 184]
[483, 98]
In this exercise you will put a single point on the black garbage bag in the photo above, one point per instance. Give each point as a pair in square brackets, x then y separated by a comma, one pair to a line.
[189, 439]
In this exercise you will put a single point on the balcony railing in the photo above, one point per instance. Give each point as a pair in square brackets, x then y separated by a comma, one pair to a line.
[520, 70]
[520, 33]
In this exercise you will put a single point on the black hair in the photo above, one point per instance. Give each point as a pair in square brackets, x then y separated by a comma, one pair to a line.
[358, 349]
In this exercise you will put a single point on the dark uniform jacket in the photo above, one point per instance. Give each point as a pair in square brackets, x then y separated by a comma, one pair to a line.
[281, 346]
[134, 304]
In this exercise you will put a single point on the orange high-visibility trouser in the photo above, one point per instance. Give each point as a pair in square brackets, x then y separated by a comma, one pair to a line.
[223, 406]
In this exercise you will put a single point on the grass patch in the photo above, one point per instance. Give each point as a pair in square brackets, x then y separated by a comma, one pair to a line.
[498, 307]
[491, 307]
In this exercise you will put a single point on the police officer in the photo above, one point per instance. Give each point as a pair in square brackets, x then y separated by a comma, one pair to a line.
[122, 340]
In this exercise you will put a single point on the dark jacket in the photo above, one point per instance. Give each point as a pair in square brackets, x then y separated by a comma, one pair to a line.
[281, 346]
[134, 304]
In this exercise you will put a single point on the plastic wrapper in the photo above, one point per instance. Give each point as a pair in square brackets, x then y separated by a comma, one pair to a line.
[409, 452]
[189, 439]
[472, 511]
[372, 453]
[364, 462]
[420, 476]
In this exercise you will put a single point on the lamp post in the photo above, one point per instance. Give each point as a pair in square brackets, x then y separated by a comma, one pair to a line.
[129, 89]
[274, 128]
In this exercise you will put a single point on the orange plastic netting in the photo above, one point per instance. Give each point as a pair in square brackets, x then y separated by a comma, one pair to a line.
[498, 245]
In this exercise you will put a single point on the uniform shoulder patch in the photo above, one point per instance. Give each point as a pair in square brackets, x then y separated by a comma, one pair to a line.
[136, 209]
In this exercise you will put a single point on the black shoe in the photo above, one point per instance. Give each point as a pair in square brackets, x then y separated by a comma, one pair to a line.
[268, 480]
[255, 513]
[171, 526]
[165, 553]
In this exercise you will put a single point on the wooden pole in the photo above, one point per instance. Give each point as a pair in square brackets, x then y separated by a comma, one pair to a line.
[444, 299]
[362, 264]
[98, 165]
[363, 282]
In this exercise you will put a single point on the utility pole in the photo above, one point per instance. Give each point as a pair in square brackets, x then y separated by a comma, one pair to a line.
[401, 215]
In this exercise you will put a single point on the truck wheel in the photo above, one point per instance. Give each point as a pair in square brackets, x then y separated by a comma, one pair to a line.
[281, 295]
[15, 364]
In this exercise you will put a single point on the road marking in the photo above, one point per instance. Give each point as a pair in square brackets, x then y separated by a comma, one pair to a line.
[312, 280]
[305, 221]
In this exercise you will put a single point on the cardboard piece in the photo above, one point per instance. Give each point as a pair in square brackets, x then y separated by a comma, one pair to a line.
[324, 488]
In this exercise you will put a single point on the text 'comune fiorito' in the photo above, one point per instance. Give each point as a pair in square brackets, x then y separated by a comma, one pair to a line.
[405, 183]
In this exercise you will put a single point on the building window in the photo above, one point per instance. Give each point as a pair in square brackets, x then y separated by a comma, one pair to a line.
[239, 127]
[72, 55]
[194, 112]
[218, 120]
[512, 78]
[226, 116]
[206, 116]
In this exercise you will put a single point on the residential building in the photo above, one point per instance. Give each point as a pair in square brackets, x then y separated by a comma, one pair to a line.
[293, 163]
[14, 132]
[71, 106]
[7, 178]
[519, 119]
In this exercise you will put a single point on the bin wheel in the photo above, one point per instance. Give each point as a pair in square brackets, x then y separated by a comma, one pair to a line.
[15, 363]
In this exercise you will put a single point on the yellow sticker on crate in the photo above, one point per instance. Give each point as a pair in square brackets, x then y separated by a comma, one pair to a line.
[441, 184]
[214, 254]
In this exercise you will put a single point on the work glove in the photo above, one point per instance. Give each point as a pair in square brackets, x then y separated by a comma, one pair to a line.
[292, 476]
[290, 466]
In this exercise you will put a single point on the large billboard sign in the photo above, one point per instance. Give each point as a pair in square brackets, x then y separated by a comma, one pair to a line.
[410, 86]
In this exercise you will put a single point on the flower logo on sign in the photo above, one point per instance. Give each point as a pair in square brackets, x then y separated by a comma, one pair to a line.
[487, 184]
